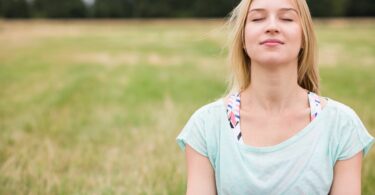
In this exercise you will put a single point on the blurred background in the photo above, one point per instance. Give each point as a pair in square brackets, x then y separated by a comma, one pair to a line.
[162, 8]
[93, 93]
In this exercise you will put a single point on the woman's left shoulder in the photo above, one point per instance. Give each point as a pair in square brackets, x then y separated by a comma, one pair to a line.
[349, 132]
[339, 111]
[323, 101]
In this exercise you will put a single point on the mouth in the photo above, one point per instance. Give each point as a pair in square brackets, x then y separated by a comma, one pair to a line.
[272, 42]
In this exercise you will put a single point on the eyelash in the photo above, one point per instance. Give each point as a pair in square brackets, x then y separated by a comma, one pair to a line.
[258, 19]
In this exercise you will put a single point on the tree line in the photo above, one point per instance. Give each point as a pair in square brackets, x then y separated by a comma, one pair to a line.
[162, 8]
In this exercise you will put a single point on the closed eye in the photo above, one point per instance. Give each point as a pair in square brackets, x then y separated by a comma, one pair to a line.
[287, 19]
[257, 19]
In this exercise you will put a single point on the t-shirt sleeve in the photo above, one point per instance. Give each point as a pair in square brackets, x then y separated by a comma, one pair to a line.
[353, 139]
[194, 134]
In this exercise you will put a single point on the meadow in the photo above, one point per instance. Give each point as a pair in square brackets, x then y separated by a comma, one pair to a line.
[94, 107]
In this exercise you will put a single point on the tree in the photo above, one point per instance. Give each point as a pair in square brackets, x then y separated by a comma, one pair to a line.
[152, 8]
[320, 8]
[114, 8]
[213, 8]
[339, 8]
[360, 8]
[14, 9]
[59, 8]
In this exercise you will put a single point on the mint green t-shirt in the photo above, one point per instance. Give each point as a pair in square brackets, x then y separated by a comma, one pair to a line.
[302, 164]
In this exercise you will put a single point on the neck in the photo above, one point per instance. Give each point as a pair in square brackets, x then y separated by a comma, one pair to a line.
[274, 90]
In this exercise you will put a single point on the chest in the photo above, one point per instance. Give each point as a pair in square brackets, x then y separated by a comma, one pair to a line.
[298, 167]
[265, 130]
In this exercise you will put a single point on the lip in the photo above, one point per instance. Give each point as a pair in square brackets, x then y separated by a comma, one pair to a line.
[271, 42]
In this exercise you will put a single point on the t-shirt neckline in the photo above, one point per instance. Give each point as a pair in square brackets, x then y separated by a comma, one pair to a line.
[288, 141]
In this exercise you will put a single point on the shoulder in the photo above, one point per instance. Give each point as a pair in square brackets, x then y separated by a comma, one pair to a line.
[210, 117]
[200, 132]
[343, 120]
[340, 109]
[211, 108]
[350, 135]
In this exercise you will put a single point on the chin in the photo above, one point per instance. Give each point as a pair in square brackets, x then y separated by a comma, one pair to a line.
[273, 60]
[272, 57]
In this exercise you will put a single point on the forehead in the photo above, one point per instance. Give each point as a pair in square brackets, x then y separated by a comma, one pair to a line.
[271, 5]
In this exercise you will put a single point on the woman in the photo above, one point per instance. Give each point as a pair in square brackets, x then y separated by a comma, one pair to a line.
[273, 133]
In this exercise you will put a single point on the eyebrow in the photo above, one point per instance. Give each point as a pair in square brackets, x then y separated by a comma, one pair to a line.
[282, 9]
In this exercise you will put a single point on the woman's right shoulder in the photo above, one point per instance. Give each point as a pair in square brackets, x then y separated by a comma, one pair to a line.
[213, 107]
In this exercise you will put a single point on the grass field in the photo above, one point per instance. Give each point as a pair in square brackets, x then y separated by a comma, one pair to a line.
[93, 107]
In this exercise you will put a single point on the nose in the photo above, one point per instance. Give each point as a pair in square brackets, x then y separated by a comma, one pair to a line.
[272, 25]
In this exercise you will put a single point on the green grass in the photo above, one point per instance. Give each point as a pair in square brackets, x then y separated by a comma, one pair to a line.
[94, 107]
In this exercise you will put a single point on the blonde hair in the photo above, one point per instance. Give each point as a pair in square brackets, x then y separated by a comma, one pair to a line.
[239, 62]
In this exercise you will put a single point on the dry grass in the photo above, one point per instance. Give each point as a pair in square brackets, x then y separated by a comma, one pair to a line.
[93, 107]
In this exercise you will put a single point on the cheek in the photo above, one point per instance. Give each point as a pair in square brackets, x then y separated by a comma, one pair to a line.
[250, 33]
[251, 36]
[295, 35]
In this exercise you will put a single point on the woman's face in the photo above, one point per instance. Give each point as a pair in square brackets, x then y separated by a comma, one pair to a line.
[273, 33]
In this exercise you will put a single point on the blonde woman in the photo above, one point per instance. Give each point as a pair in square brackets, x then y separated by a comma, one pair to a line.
[273, 133]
